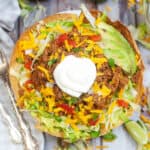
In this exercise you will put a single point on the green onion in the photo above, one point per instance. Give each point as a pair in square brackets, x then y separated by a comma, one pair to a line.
[45, 114]
[72, 100]
[95, 116]
[76, 109]
[58, 118]
[109, 136]
[77, 49]
[21, 69]
[111, 62]
[52, 36]
[19, 60]
[51, 62]
[95, 134]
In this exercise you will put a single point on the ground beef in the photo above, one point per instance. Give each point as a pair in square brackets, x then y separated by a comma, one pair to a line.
[136, 76]
[27, 59]
[113, 85]
[58, 92]
[119, 80]
[100, 102]
[115, 80]
[38, 78]
[112, 78]
[123, 81]
[107, 74]
[99, 55]
[46, 55]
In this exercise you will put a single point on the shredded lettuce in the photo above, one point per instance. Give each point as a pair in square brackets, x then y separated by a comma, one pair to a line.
[129, 92]
[119, 115]
[62, 23]
[51, 122]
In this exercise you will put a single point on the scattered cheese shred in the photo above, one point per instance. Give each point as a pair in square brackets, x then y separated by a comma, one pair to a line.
[102, 118]
[62, 56]
[47, 91]
[45, 71]
[98, 20]
[51, 103]
[96, 111]
[72, 122]
[101, 147]
[60, 29]
[111, 107]
[99, 61]
[32, 55]
[67, 46]
[28, 44]
[88, 99]
[79, 21]
[57, 110]
[105, 91]
[145, 119]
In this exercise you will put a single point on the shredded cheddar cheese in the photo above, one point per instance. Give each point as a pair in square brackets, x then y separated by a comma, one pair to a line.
[68, 47]
[105, 91]
[72, 122]
[28, 44]
[47, 91]
[111, 107]
[99, 61]
[45, 71]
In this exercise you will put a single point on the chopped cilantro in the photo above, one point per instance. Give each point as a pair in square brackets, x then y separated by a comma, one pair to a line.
[109, 136]
[95, 134]
[77, 49]
[19, 60]
[111, 62]
[51, 62]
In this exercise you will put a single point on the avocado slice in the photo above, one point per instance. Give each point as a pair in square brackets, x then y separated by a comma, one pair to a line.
[117, 47]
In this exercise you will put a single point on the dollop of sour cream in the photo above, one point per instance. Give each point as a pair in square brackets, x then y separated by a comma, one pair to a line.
[75, 75]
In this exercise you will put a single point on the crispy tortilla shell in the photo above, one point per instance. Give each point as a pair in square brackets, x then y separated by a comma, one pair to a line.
[118, 25]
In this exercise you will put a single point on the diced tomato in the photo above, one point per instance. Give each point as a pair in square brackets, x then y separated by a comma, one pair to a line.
[72, 43]
[28, 85]
[95, 38]
[28, 65]
[67, 108]
[122, 103]
[61, 39]
[93, 122]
